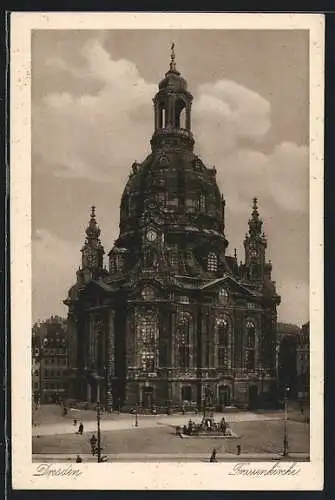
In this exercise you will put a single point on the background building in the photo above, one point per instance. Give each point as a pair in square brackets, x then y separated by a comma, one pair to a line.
[50, 352]
[287, 340]
[303, 355]
[36, 369]
[174, 318]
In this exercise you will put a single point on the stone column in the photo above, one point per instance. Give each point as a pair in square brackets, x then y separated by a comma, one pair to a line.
[91, 339]
[188, 117]
[205, 345]
[110, 358]
[157, 112]
[230, 343]
[89, 392]
[171, 112]
[132, 356]
[173, 339]
[72, 335]
[193, 339]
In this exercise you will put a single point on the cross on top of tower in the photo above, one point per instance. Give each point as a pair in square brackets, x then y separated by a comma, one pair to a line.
[92, 230]
[173, 57]
[255, 223]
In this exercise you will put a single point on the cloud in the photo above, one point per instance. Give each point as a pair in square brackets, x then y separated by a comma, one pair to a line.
[92, 135]
[232, 112]
[279, 177]
[96, 128]
[53, 263]
[297, 293]
[89, 134]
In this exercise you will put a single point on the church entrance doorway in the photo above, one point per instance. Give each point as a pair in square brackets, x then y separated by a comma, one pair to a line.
[224, 396]
[253, 396]
[147, 397]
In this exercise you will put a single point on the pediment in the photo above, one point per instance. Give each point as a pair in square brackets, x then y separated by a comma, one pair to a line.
[139, 283]
[97, 286]
[231, 284]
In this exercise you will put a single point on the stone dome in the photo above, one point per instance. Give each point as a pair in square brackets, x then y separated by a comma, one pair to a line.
[179, 182]
[172, 190]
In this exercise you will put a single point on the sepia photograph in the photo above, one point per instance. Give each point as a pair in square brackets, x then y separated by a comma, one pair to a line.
[170, 219]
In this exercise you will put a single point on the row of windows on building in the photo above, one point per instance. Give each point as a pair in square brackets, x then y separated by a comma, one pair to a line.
[117, 261]
[147, 332]
[200, 204]
[149, 293]
[54, 351]
[53, 373]
[53, 386]
[55, 361]
[212, 261]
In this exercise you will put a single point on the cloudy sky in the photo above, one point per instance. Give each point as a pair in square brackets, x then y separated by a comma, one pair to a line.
[92, 118]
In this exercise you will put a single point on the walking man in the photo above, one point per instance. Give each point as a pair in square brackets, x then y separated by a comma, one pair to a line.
[93, 442]
[81, 428]
[213, 456]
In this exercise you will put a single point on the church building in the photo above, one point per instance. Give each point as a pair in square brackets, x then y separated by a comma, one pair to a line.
[174, 318]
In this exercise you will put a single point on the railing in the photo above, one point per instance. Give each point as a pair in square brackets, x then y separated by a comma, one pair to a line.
[183, 132]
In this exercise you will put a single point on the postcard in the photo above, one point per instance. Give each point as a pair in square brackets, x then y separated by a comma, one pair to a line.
[166, 192]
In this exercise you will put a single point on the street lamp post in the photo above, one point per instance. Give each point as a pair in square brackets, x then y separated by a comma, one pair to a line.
[205, 405]
[99, 449]
[98, 432]
[285, 441]
[136, 416]
[262, 375]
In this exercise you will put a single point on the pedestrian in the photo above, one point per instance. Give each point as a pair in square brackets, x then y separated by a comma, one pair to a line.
[238, 449]
[93, 442]
[81, 428]
[75, 422]
[79, 459]
[213, 456]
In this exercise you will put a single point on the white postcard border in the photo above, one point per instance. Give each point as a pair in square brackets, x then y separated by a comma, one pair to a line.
[186, 476]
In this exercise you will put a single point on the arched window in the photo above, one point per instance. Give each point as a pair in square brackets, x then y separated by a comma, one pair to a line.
[150, 258]
[186, 393]
[223, 295]
[202, 203]
[184, 332]
[147, 335]
[180, 114]
[162, 117]
[212, 262]
[148, 293]
[131, 205]
[222, 338]
[118, 262]
[124, 207]
[250, 334]
[173, 257]
[183, 299]
[161, 198]
[182, 118]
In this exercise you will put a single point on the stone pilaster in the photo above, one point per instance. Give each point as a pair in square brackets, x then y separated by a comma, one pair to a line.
[89, 392]
[73, 341]
[91, 356]
[188, 116]
[173, 339]
[203, 340]
[110, 358]
[132, 355]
